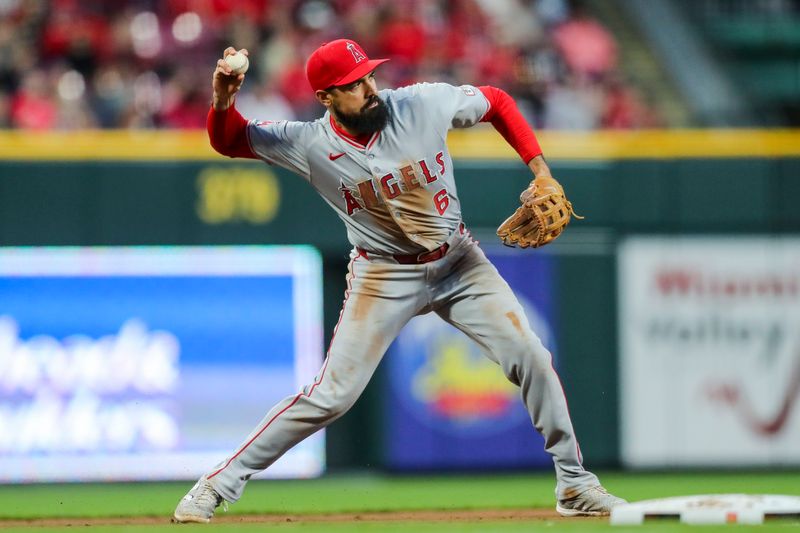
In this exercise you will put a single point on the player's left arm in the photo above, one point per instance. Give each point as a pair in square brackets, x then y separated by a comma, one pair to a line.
[506, 118]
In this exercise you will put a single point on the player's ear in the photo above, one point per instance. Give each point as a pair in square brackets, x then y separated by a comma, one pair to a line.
[324, 98]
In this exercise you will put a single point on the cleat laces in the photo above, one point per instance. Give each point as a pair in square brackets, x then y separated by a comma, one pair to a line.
[208, 497]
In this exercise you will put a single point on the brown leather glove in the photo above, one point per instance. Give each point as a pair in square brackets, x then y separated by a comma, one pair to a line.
[544, 214]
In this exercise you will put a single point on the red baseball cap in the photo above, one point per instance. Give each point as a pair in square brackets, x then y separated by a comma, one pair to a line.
[338, 62]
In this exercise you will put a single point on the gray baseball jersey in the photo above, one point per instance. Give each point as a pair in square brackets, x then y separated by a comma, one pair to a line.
[397, 196]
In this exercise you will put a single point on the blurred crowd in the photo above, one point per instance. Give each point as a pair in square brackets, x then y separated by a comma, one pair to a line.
[72, 64]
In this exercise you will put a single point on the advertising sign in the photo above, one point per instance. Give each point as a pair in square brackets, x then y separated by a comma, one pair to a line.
[710, 351]
[151, 362]
[449, 405]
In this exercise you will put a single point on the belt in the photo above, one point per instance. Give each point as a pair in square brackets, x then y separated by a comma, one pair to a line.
[414, 259]
[424, 257]
[420, 258]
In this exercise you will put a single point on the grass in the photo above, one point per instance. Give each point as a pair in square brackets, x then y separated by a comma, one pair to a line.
[374, 493]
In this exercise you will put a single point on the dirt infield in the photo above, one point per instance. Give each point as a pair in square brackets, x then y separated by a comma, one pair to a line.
[493, 515]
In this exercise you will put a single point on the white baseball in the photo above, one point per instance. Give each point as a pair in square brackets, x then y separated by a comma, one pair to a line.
[238, 63]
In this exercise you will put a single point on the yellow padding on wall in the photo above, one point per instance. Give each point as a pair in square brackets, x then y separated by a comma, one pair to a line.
[649, 144]
[105, 145]
[481, 142]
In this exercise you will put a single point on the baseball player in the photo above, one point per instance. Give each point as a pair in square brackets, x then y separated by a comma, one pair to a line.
[380, 160]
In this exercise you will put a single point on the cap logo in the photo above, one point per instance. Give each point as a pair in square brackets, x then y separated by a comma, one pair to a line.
[357, 55]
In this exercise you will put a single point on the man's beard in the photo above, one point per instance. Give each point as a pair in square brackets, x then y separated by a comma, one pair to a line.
[367, 121]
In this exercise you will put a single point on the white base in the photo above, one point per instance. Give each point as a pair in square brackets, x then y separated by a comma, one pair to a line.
[709, 509]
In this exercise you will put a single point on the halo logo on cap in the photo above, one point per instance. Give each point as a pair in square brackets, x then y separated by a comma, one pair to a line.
[357, 55]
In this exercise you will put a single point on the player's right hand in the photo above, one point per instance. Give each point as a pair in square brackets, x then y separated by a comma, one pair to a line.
[224, 82]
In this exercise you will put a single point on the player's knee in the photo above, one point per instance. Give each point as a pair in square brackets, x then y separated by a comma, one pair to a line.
[526, 357]
[524, 347]
[334, 408]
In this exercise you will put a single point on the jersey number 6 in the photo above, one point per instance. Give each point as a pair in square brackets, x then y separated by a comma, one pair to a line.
[441, 200]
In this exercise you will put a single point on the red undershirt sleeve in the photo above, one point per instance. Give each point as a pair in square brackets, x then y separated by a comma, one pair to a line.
[227, 131]
[509, 122]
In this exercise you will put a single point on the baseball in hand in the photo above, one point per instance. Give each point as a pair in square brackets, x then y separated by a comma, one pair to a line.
[238, 63]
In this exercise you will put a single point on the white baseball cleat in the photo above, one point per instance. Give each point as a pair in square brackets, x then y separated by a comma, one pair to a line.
[594, 501]
[199, 503]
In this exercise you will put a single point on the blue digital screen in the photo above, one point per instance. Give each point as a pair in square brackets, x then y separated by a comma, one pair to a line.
[150, 362]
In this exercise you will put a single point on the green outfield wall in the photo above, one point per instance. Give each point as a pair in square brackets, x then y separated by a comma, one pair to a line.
[120, 188]
[132, 202]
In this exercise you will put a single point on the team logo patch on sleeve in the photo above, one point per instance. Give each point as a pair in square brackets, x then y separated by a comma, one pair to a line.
[469, 91]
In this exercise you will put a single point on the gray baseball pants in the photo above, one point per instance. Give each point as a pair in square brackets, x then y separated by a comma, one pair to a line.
[466, 290]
